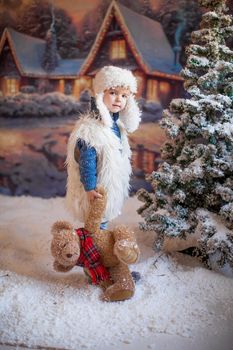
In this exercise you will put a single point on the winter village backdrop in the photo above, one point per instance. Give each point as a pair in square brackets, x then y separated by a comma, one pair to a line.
[50, 52]
[181, 53]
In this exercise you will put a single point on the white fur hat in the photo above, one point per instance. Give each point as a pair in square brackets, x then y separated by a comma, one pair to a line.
[109, 77]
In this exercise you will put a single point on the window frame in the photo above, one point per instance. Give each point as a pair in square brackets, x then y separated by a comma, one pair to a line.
[118, 49]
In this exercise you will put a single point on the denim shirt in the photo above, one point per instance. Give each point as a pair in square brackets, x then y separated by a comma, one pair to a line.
[86, 156]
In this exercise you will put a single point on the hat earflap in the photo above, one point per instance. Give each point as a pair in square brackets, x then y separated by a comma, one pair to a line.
[131, 115]
[104, 112]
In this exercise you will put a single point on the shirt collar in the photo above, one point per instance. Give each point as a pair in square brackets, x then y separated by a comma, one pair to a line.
[115, 116]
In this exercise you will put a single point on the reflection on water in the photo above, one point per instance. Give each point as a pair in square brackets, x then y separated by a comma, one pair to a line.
[144, 159]
[32, 155]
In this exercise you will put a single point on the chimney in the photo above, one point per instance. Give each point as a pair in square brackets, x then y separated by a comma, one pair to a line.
[177, 50]
[180, 28]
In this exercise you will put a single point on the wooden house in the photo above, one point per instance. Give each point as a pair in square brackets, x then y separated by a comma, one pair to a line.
[21, 59]
[125, 39]
[128, 39]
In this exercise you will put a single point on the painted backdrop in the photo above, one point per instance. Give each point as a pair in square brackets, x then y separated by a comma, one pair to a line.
[50, 52]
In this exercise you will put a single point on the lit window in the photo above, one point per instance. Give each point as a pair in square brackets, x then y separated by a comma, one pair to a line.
[12, 86]
[164, 87]
[61, 85]
[81, 84]
[118, 49]
[152, 90]
[140, 83]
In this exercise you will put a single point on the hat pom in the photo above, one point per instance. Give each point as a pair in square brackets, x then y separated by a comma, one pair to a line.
[131, 115]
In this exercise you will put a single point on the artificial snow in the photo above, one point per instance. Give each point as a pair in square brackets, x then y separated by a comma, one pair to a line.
[177, 301]
[222, 128]
[199, 61]
[215, 221]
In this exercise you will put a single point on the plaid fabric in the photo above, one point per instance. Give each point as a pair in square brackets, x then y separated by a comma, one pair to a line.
[90, 257]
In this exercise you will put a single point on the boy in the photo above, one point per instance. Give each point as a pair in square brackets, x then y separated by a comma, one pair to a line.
[98, 149]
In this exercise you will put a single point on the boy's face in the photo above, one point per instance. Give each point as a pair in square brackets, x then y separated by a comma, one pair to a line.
[115, 98]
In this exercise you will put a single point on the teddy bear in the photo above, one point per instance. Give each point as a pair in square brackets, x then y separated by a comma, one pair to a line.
[104, 254]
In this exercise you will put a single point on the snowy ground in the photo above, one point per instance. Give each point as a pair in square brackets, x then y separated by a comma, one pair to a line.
[177, 305]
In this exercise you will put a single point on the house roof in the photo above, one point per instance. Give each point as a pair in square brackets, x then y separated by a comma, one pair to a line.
[150, 41]
[28, 55]
[146, 39]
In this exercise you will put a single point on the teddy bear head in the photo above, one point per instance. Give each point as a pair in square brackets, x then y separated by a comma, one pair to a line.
[65, 245]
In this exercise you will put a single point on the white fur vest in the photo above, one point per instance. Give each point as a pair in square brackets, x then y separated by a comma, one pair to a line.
[113, 167]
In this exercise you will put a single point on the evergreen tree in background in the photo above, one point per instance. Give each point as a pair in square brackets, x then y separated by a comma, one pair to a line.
[6, 20]
[36, 20]
[193, 187]
[179, 18]
[50, 59]
[7, 9]
[146, 8]
[11, 4]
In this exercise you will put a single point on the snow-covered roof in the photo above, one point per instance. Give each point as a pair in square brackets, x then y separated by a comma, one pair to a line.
[28, 54]
[146, 39]
[151, 41]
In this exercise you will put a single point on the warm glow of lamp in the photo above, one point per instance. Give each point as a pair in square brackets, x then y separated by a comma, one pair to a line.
[12, 86]
[117, 49]
[140, 82]
[152, 90]
[164, 87]
[61, 86]
[81, 84]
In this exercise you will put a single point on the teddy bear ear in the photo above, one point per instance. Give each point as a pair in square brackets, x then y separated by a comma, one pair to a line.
[58, 226]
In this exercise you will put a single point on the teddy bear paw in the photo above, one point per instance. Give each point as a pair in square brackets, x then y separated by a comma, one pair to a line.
[61, 268]
[117, 293]
[126, 251]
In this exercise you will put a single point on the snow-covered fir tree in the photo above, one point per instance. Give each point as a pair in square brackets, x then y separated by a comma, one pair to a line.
[193, 187]
[36, 18]
[50, 59]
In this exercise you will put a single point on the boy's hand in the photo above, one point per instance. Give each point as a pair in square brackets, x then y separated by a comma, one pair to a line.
[91, 195]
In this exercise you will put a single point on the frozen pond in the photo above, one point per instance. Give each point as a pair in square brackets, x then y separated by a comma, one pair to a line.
[33, 151]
